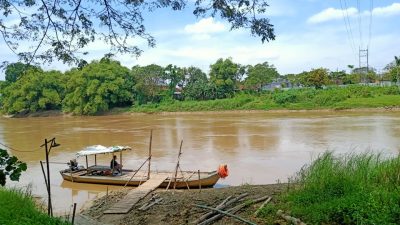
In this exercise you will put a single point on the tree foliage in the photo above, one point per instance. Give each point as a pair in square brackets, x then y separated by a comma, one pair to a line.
[99, 86]
[174, 77]
[36, 90]
[260, 74]
[150, 82]
[315, 78]
[197, 86]
[223, 74]
[10, 167]
[14, 71]
[393, 71]
[65, 27]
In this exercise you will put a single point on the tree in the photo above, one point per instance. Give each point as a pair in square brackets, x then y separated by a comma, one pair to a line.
[315, 78]
[10, 167]
[337, 77]
[36, 90]
[393, 71]
[97, 87]
[150, 82]
[260, 74]
[223, 75]
[197, 86]
[67, 26]
[174, 77]
[14, 71]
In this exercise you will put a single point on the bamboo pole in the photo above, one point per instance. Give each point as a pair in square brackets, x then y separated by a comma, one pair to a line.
[183, 178]
[257, 212]
[207, 215]
[136, 172]
[232, 210]
[177, 164]
[176, 168]
[226, 214]
[151, 138]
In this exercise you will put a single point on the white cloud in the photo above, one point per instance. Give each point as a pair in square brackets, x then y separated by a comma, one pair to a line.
[390, 10]
[336, 14]
[331, 14]
[205, 26]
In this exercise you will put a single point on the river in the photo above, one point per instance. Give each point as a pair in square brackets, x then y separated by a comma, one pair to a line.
[259, 148]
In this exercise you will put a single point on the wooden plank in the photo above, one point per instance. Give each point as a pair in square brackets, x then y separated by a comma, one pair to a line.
[135, 195]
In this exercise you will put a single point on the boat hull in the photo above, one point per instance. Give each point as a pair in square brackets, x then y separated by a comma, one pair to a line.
[207, 179]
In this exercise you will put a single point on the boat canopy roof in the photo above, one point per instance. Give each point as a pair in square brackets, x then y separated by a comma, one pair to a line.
[99, 149]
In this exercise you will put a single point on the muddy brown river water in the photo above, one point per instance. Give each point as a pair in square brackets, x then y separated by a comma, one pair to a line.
[259, 148]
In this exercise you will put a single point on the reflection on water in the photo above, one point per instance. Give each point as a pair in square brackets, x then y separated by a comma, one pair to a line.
[259, 148]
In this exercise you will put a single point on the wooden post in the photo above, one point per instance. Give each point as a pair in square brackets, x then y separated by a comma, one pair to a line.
[73, 214]
[47, 151]
[49, 206]
[44, 174]
[87, 164]
[198, 171]
[151, 138]
[107, 194]
[95, 160]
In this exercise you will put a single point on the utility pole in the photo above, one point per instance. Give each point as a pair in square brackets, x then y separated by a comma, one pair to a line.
[363, 63]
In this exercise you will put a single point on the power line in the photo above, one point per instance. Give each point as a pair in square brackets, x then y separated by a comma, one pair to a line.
[371, 8]
[348, 27]
[360, 23]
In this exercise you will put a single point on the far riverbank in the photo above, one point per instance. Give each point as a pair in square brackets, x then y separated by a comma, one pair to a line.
[127, 111]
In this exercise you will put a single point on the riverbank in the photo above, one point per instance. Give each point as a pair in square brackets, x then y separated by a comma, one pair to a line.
[177, 206]
[345, 189]
[18, 207]
[128, 111]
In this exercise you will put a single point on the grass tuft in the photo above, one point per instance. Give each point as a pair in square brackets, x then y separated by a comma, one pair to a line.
[351, 189]
[18, 207]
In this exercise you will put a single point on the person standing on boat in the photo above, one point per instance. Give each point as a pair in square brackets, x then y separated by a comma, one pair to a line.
[115, 165]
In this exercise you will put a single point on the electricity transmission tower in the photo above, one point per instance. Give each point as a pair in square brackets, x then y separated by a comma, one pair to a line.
[363, 63]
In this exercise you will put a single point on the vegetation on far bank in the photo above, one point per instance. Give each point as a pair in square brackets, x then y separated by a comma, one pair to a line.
[350, 97]
[18, 207]
[103, 85]
[351, 189]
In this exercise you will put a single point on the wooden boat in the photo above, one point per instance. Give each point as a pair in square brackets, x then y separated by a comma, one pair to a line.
[98, 174]
[190, 179]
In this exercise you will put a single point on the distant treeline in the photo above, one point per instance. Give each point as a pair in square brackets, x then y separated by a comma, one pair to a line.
[105, 84]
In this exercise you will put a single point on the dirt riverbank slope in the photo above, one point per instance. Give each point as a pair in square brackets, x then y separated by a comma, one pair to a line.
[178, 206]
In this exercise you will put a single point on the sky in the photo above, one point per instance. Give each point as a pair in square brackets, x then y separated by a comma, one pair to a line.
[309, 34]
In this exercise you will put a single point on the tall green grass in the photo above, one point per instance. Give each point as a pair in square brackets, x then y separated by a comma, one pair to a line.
[17, 207]
[352, 189]
[354, 96]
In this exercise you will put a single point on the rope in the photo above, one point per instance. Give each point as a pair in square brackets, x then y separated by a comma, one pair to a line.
[16, 150]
